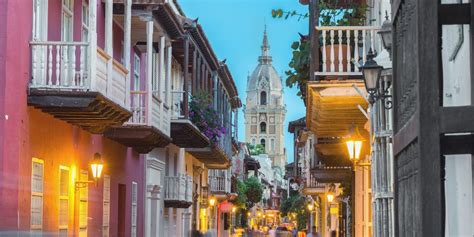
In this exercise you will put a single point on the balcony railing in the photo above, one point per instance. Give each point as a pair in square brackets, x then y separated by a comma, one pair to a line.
[59, 65]
[66, 66]
[344, 48]
[178, 188]
[177, 107]
[219, 184]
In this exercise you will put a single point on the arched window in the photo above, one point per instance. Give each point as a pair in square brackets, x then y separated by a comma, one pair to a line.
[263, 98]
[253, 141]
[272, 144]
[262, 142]
[263, 127]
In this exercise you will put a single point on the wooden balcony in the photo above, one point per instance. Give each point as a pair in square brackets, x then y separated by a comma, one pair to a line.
[213, 156]
[183, 132]
[148, 128]
[178, 191]
[220, 186]
[343, 50]
[331, 174]
[313, 187]
[63, 85]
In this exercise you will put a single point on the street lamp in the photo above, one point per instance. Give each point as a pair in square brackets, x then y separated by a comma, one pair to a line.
[371, 72]
[310, 206]
[212, 201]
[354, 143]
[386, 33]
[97, 165]
[330, 197]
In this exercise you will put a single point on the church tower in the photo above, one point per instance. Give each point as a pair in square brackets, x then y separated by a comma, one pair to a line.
[265, 109]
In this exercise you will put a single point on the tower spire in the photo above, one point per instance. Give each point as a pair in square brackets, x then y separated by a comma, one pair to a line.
[265, 57]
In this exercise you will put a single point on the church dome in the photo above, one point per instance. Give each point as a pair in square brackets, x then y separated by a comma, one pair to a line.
[264, 73]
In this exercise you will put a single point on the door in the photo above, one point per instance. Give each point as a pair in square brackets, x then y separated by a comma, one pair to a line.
[122, 191]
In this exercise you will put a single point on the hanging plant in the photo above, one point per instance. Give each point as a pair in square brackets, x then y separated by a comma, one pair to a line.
[205, 117]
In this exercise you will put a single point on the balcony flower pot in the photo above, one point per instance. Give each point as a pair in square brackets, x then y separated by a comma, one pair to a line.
[304, 2]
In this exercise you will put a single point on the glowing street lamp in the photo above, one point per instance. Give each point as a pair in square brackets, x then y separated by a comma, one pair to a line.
[234, 209]
[330, 197]
[354, 143]
[310, 206]
[212, 201]
[97, 165]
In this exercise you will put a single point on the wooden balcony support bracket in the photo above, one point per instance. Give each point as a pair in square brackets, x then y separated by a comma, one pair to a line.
[89, 110]
[213, 157]
[142, 138]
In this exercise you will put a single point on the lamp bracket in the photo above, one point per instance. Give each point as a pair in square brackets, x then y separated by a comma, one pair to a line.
[82, 184]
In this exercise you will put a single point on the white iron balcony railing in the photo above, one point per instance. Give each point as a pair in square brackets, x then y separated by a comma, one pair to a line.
[344, 48]
[178, 188]
[219, 184]
[66, 66]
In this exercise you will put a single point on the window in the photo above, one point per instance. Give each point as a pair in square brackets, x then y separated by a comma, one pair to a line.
[272, 144]
[134, 209]
[253, 141]
[83, 205]
[40, 19]
[85, 21]
[262, 142]
[263, 98]
[136, 73]
[67, 16]
[263, 127]
[106, 207]
[37, 180]
[63, 200]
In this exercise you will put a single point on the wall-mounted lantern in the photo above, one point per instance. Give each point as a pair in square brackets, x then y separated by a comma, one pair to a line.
[97, 165]
[354, 143]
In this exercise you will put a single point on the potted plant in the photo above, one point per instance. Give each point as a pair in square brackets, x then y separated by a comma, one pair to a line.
[331, 15]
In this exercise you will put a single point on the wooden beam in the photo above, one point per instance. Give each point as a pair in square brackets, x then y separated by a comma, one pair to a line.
[454, 14]
[458, 144]
[456, 119]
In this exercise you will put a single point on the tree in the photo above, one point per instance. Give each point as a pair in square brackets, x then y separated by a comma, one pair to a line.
[241, 199]
[295, 204]
[298, 75]
[256, 150]
[254, 190]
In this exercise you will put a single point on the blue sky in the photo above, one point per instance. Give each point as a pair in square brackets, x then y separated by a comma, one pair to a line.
[235, 30]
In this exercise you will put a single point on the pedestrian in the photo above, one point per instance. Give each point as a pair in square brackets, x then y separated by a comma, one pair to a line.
[312, 233]
[272, 232]
[294, 231]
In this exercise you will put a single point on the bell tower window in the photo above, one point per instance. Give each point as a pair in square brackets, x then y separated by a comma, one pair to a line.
[263, 98]
[263, 127]
[262, 142]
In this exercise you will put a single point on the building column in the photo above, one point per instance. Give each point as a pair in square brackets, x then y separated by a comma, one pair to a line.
[149, 66]
[92, 43]
[127, 44]
[109, 43]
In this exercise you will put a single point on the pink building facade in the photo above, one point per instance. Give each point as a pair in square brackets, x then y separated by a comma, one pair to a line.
[43, 156]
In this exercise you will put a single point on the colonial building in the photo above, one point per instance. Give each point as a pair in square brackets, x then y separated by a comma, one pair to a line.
[265, 109]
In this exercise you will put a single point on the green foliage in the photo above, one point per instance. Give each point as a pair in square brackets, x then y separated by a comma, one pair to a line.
[351, 15]
[254, 191]
[279, 13]
[241, 199]
[295, 204]
[256, 150]
[298, 75]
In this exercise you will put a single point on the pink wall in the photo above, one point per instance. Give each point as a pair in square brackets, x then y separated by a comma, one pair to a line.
[15, 38]
[29, 133]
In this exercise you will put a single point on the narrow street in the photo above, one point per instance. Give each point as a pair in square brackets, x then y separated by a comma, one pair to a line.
[196, 118]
